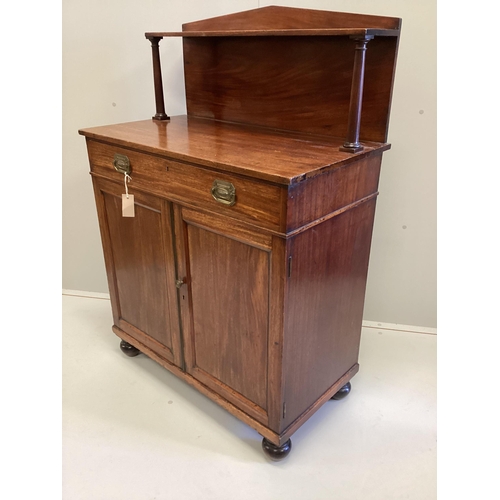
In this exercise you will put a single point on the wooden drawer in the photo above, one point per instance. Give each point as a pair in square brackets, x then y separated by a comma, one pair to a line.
[257, 202]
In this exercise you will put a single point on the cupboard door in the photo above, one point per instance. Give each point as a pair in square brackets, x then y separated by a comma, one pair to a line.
[225, 307]
[141, 268]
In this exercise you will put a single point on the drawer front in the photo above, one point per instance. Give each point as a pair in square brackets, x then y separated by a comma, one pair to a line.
[256, 202]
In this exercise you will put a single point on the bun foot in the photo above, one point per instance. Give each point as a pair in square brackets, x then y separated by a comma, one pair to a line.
[343, 392]
[129, 349]
[276, 452]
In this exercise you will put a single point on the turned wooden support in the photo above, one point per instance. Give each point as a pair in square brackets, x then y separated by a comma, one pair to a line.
[160, 103]
[352, 144]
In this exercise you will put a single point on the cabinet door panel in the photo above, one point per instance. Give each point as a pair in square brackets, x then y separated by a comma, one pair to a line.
[226, 327]
[141, 268]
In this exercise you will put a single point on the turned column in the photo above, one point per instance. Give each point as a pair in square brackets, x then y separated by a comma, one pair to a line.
[352, 144]
[160, 103]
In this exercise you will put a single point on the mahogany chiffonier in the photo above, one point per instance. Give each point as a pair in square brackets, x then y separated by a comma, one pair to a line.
[236, 237]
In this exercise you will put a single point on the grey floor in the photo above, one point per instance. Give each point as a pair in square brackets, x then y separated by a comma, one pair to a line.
[133, 431]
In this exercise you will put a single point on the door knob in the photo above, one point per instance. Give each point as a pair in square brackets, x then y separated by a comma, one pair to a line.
[179, 283]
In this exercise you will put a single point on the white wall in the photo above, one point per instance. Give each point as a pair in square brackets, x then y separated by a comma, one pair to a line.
[107, 78]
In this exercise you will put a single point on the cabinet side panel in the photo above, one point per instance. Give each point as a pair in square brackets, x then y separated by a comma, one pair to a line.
[326, 290]
[320, 196]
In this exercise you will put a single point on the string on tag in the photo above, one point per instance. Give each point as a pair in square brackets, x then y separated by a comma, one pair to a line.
[127, 178]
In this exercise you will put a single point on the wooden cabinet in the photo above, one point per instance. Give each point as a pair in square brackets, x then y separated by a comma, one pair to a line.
[244, 268]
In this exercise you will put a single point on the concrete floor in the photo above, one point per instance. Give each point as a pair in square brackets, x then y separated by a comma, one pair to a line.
[133, 431]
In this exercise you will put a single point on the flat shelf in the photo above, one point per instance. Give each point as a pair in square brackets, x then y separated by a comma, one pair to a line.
[279, 32]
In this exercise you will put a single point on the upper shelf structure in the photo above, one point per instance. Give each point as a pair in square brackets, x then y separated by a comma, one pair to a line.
[284, 32]
[288, 21]
[310, 71]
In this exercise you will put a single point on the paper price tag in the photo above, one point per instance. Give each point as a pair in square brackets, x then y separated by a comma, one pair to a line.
[128, 207]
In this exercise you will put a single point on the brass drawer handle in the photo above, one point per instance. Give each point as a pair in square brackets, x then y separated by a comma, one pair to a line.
[122, 164]
[224, 192]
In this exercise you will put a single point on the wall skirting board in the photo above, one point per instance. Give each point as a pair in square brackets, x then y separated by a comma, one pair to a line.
[90, 295]
[400, 328]
[376, 325]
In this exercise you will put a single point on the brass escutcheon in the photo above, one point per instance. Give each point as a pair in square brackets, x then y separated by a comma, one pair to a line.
[224, 192]
[122, 164]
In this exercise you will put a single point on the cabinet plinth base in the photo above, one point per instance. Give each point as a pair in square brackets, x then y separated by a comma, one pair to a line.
[129, 349]
[276, 452]
[343, 392]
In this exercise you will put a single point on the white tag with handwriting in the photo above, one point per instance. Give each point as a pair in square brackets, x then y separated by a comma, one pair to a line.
[128, 207]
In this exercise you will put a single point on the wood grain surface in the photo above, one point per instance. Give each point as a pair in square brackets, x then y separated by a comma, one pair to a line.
[139, 260]
[226, 328]
[288, 83]
[257, 202]
[325, 301]
[285, 32]
[314, 198]
[259, 153]
[277, 17]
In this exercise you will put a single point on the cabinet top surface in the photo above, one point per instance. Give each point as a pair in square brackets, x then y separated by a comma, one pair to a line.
[271, 155]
